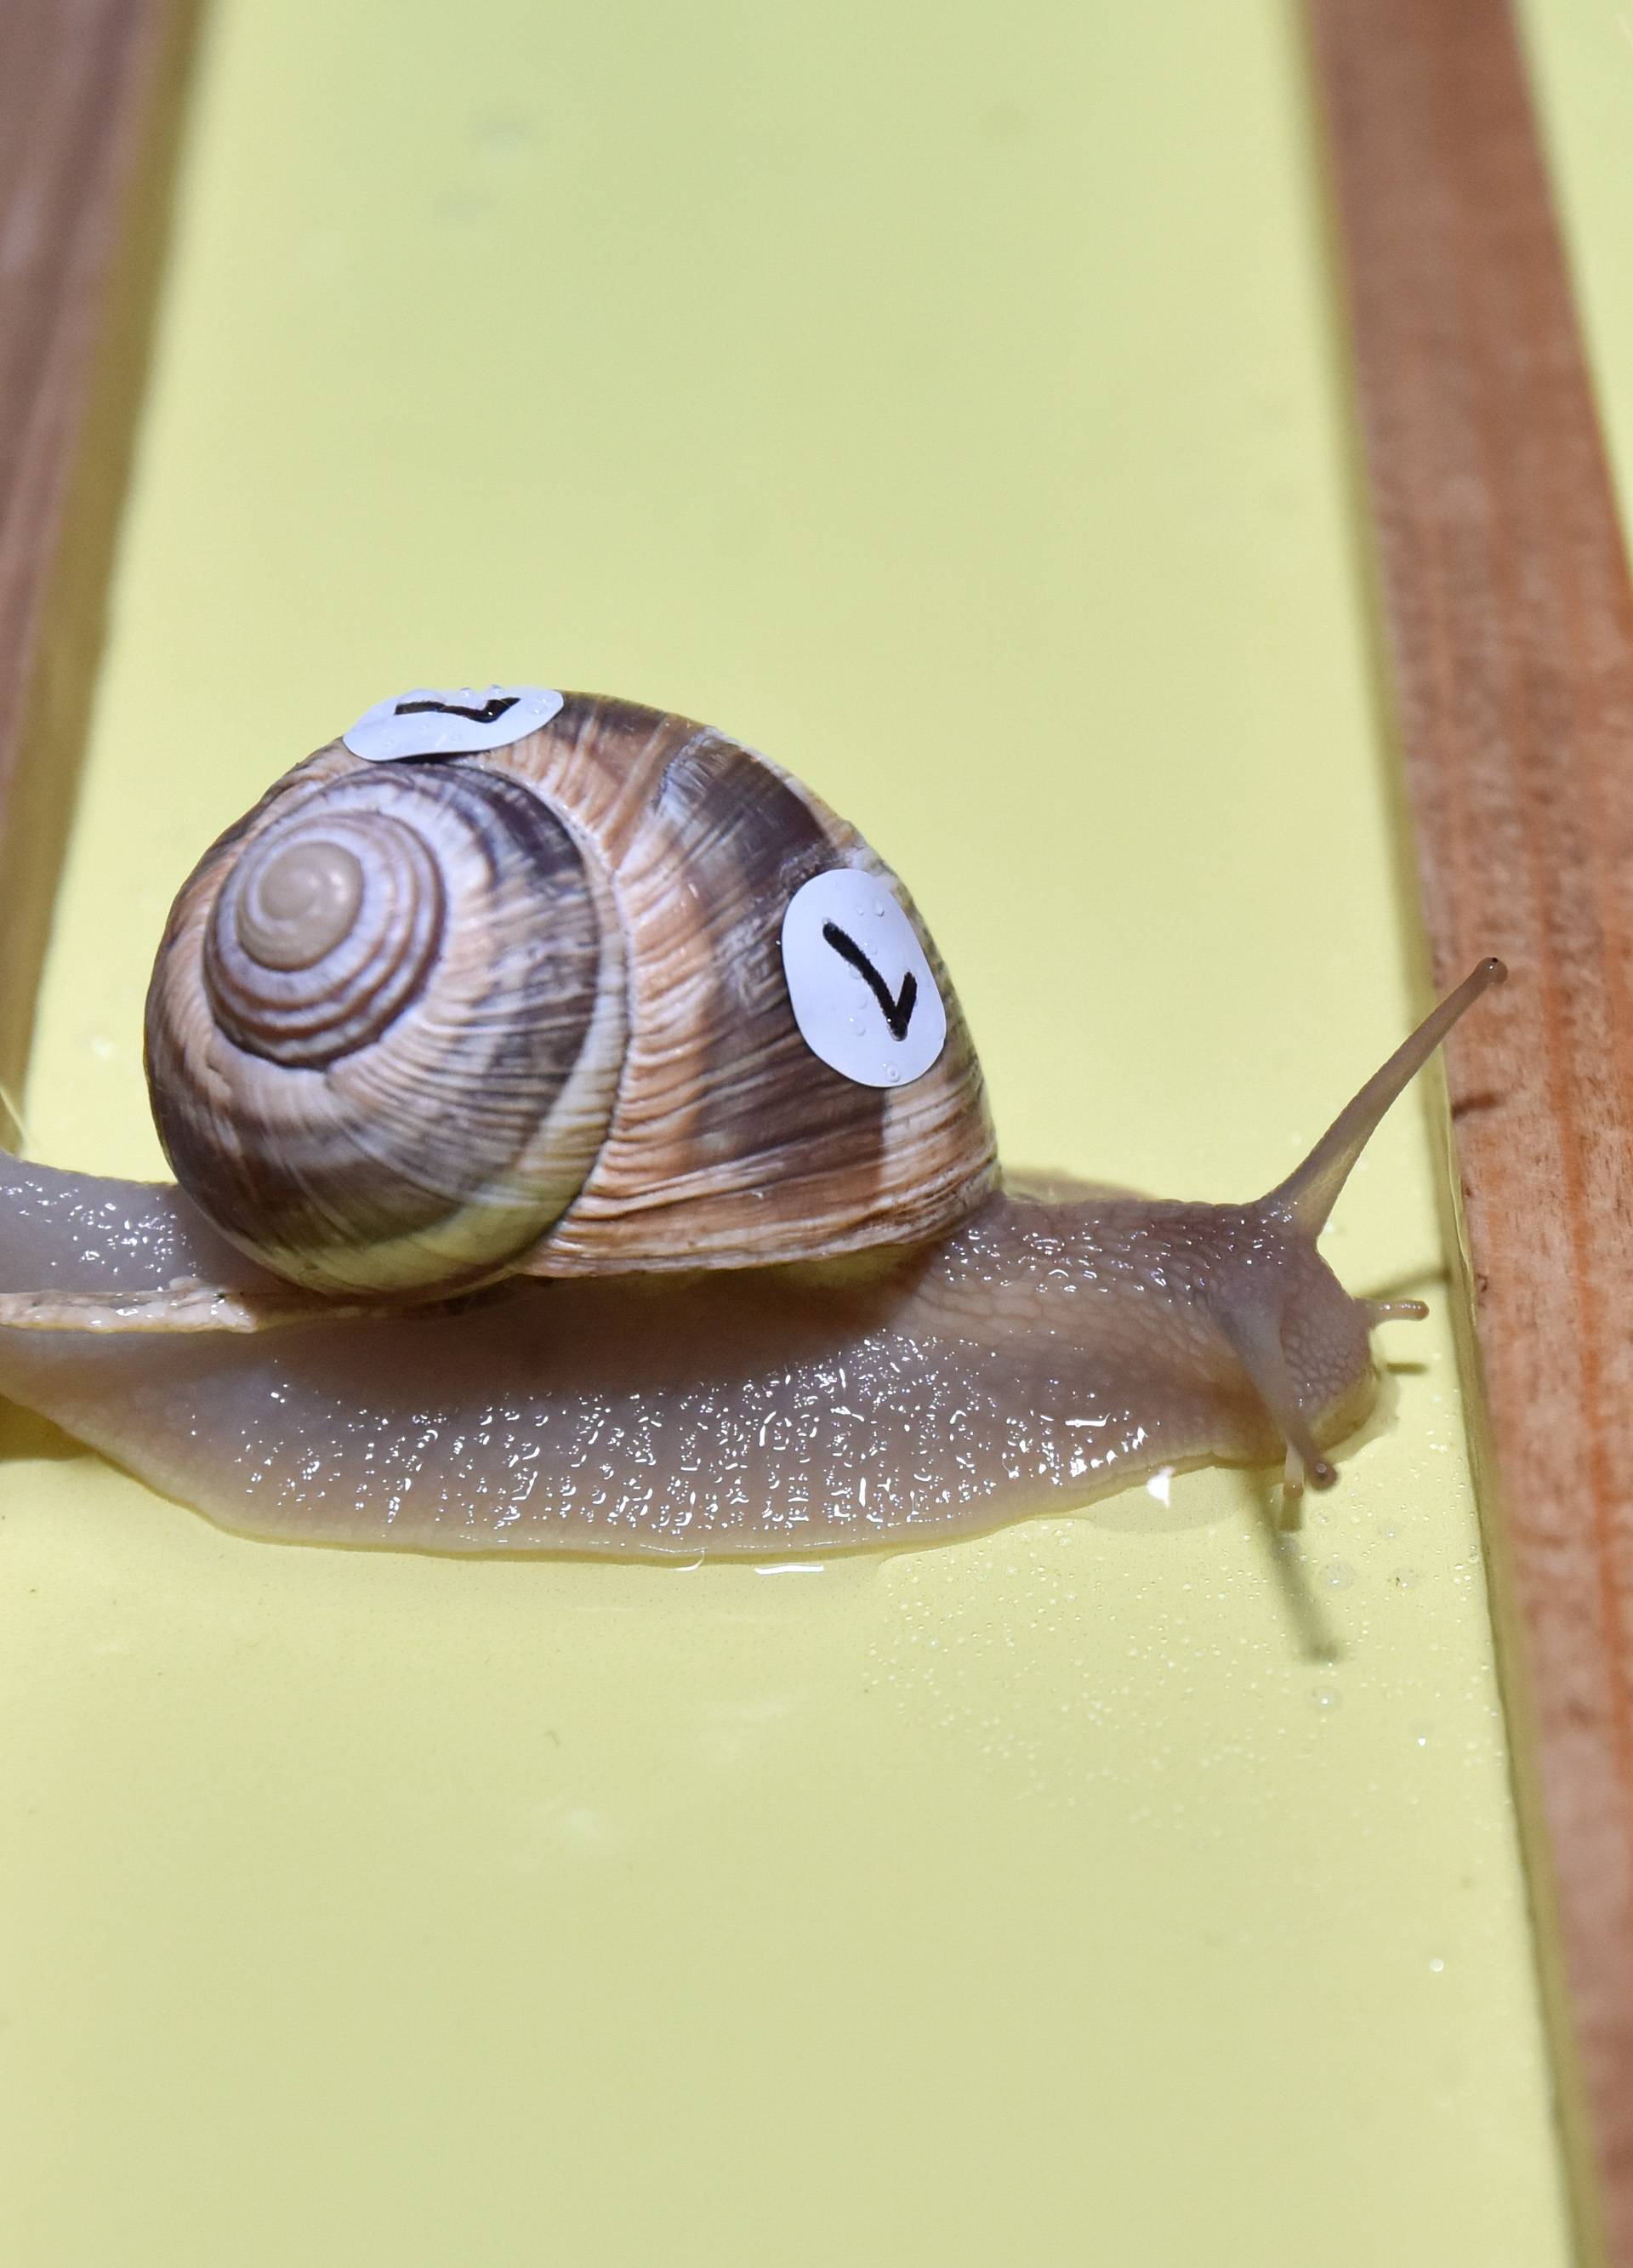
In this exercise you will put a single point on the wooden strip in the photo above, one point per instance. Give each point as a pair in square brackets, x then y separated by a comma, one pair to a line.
[1508, 620]
[90, 101]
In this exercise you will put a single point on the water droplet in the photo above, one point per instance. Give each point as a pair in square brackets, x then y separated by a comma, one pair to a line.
[1325, 1699]
[1436, 1965]
[879, 908]
[1339, 1577]
[892, 1074]
[1406, 1579]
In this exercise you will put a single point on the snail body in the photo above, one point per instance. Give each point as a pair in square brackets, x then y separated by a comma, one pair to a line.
[622, 1180]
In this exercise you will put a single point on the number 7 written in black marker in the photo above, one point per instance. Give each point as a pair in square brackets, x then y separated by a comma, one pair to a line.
[489, 714]
[896, 1008]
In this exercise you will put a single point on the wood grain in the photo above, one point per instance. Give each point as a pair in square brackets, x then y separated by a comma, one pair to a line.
[89, 101]
[1508, 634]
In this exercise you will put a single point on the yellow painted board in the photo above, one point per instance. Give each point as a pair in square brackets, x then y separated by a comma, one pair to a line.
[943, 401]
[1581, 58]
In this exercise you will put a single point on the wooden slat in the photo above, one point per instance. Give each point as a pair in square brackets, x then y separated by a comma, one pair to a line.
[1508, 629]
[90, 98]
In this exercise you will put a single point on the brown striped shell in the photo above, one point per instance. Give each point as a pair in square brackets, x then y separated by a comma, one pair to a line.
[414, 1024]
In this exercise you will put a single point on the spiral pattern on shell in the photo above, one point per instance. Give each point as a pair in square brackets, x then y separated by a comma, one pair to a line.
[422, 1019]
[324, 932]
[384, 1032]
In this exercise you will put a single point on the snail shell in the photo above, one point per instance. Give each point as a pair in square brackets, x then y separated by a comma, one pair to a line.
[416, 1023]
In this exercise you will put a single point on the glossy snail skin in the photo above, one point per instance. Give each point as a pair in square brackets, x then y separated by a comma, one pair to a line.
[1051, 1348]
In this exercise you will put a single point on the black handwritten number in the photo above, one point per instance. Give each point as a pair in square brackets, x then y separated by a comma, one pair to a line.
[898, 1010]
[489, 714]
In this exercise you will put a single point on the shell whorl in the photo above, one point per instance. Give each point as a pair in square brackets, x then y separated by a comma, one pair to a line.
[386, 1026]
[324, 932]
[733, 1144]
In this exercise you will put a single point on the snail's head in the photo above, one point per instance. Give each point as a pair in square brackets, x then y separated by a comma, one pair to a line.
[1301, 1337]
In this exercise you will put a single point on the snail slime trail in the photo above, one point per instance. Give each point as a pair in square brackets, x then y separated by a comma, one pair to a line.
[525, 1201]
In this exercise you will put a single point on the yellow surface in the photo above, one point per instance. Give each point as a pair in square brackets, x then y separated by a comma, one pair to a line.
[941, 401]
[1581, 55]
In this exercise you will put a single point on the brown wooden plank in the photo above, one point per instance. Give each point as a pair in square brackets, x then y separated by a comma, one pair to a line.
[1508, 634]
[89, 101]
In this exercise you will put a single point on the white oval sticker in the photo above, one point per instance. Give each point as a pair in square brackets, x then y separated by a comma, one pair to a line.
[456, 722]
[863, 994]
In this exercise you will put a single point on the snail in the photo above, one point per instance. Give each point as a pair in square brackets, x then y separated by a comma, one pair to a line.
[578, 1146]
